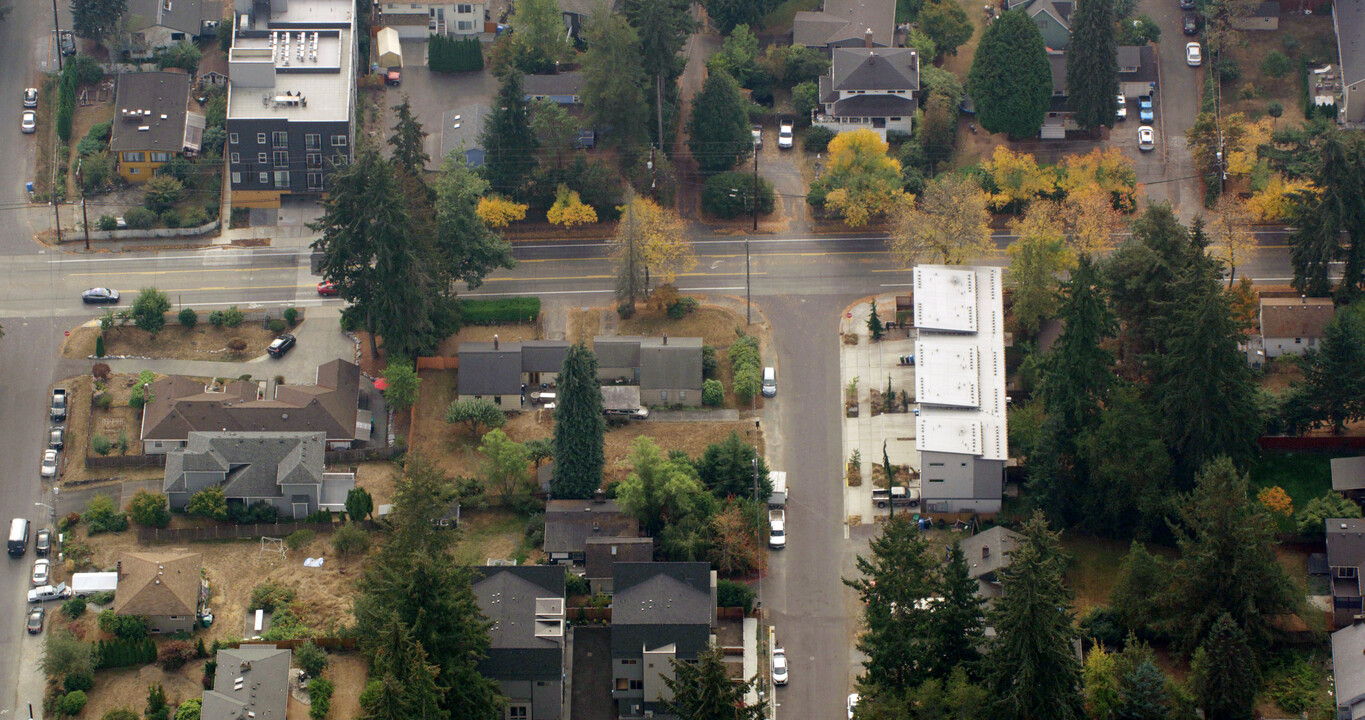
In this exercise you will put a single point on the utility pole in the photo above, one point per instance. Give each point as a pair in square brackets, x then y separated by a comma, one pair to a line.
[85, 217]
[748, 289]
[755, 197]
[57, 30]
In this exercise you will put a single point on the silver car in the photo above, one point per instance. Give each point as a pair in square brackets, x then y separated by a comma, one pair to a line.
[29, 122]
[49, 463]
[42, 572]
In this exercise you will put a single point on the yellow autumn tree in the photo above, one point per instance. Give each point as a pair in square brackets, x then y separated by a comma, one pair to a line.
[1090, 220]
[1242, 158]
[1018, 178]
[1276, 501]
[1274, 201]
[861, 181]
[1108, 169]
[1038, 257]
[570, 210]
[1230, 236]
[949, 225]
[498, 212]
[650, 242]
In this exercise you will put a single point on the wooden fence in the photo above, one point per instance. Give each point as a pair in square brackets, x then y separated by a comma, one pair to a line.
[362, 454]
[451, 362]
[108, 461]
[344, 643]
[224, 531]
[1315, 442]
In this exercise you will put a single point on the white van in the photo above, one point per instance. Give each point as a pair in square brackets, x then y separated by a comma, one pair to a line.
[769, 381]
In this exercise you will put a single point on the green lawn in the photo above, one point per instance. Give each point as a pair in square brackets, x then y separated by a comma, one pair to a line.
[1304, 475]
[782, 15]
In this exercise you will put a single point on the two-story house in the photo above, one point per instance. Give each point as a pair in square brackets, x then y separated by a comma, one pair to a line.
[419, 20]
[157, 24]
[1348, 20]
[846, 23]
[1289, 326]
[291, 97]
[661, 613]
[284, 469]
[1346, 558]
[525, 657]
[152, 123]
[870, 89]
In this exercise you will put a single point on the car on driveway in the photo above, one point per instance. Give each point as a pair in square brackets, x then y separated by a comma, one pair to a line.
[1146, 138]
[327, 289]
[758, 136]
[49, 463]
[779, 667]
[1190, 24]
[784, 135]
[852, 704]
[56, 439]
[1193, 55]
[35, 620]
[28, 122]
[280, 346]
[30, 97]
[49, 592]
[1145, 109]
[100, 296]
[42, 571]
[43, 544]
[1123, 108]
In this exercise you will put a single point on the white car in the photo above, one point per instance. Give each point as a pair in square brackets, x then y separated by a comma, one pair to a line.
[30, 97]
[784, 135]
[49, 463]
[1146, 138]
[1193, 56]
[779, 667]
[49, 592]
[41, 572]
[29, 122]
[758, 136]
[1123, 108]
[852, 704]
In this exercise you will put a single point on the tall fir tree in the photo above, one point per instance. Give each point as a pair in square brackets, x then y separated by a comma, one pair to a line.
[407, 685]
[1032, 663]
[1334, 372]
[893, 582]
[1092, 72]
[1139, 275]
[508, 141]
[579, 428]
[1078, 373]
[718, 133]
[1142, 695]
[407, 140]
[1011, 80]
[703, 690]
[1134, 598]
[956, 620]
[1225, 674]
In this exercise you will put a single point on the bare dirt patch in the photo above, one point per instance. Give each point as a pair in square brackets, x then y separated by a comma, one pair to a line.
[378, 479]
[511, 332]
[348, 672]
[1313, 39]
[715, 326]
[127, 687]
[202, 342]
[83, 420]
[584, 324]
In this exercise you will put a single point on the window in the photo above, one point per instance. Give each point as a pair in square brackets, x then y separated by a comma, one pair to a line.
[177, 37]
[464, 25]
[312, 142]
[682, 396]
[281, 178]
[314, 181]
[232, 138]
[260, 138]
[630, 662]
[622, 684]
[161, 157]
[934, 480]
[637, 685]
[314, 161]
[236, 158]
[1042, 22]
[1346, 572]
[263, 178]
[134, 171]
[663, 396]
[236, 178]
[279, 139]
[518, 712]
[894, 119]
[262, 158]
[934, 464]
[138, 156]
[339, 160]
[338, 141]
[281, 158]
[464, 9]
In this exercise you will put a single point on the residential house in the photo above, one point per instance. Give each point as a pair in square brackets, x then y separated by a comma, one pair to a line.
[565, 88]
[661, 613]
[1265, 16]
[569, 524]
[291, 97]
[987, 553]
[420, 20]
[525, 657]
[1053, 18]
[1348, 671]
[602, 554]
[152, 123]
[213, 70]
[668, 370]
[1348, 477]
[283, 469]
[870, 89]
[846, 23]
[1348, 19]
[460, 131]
[960, 387]
[1289, 326]
[1346, 558]
[182, 405]
[1137, 70]
[158, 24]
[251, 681]
[498, 371]
[167, 588]
[577, 12]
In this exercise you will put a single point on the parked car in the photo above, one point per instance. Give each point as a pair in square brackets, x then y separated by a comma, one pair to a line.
[100, 296]
[58, 409]
[1190, 24]
[1193, 55]
[784, 135]
[67, 43]
[28, 122]
[57, 439]
[42, 570]
[852, 704]
[1123, 108]
[49, 463]
[49, 592]
[327, 289]
[779, 667]
[1145, 114]
[30, 97]
[758, 136]
[1186, 4]
[587, 138]
[1146, 138]
[282, 345]
[35, 620]
[43, 544]
[769, 386]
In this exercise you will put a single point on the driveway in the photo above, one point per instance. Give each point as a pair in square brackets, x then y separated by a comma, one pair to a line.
[1168, 172]
[431, 95]
[783, 169]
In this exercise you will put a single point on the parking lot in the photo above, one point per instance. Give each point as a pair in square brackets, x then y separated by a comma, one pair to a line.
[431, 95]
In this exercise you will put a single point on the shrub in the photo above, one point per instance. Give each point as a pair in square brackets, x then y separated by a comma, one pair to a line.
[72, 703]
[216, 318]
[107, 222]
[208, 503]
[1275, 109]
[311, 658]
[576, 584]
[103, 401]
[237, 344]
[126, 714]
[708, 361]
[78, 681]
[149, 509]
[188, 710]
[1227, 68]
[319, 698]
[161, 192]
[712, 393]
[123, 627]
[101, 445]
[100, 371]
[193, 216]
[746, 363]
[139, 218]
[679, 309]
[174, 654]
[100, 598]
[101, 515]
[232, 317]
[270, 596]
[291, 316]
[170, 218]
[257, 512]
[1277, 64]
[733, 594]
[625, 310]
[817, 139]
[350, 539]
[730, 194]
[275, 326]
[156, 702]
[495, 311]
[299, 538]
[188, 317]
[74, 608]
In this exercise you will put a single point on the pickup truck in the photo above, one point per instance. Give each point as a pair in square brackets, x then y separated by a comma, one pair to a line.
[777, 529]
[895, 497]
[59, 405]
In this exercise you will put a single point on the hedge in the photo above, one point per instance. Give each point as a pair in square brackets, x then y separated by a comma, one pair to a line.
[449, 55]
[124, 653]
[747, 365]
[499, 310]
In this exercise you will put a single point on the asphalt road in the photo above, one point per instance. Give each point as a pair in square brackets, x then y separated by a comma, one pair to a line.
[1169, 172]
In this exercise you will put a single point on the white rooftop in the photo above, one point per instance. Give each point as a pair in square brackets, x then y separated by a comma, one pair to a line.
[310, 12]
[945, 298]
[297, 64]
[950, 431]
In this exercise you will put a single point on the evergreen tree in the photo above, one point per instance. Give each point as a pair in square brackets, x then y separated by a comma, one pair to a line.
[467, 250]
[614, 79]
[727, 469]
[1340, 175]
[1011, 80]
[1224, 671]
[579, 428]
[1143, 694]
[663, 27]
[508, 141]
[1032, 664]
[1133, 599]
[1078, 373]
[407, 683]
[1334, 374]
[718, 134]
[1141, 272]
[703, 690]
[407, 140]
[955, 621]
[1125, 488]
[1092, 73]
[1314, 244]
[96, 19]
[875, 329]
[1227, 563]
[893, 583]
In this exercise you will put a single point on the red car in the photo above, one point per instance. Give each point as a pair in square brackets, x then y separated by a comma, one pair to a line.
[327, 289]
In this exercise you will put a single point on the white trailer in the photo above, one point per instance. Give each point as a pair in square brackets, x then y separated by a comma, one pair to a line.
[779, 497]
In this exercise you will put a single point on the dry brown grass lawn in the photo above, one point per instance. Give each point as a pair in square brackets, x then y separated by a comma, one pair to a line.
[1316, 43]
[82, 419]
[81, 122]
[511, 332]
[127, 687]
[584, 324]
[378, 478]
[348, 672]
[202, 342]
[692, 438]
[715, 326]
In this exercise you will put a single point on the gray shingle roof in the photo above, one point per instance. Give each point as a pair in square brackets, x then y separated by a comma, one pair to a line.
[151, 95]
[1348, 474]
[569, 524]
[565, 83]
[543, 355]
[1144, 57]
[257, 465]
[1058, 9]
[264, 688]
[676, 364]
[507, 596]
[1349, 17]
[987, 552]
[1348, 669]
[599, 558]
[187, 16]
[485, 370]
[845, 21]
[874, 106]
[617, 351]
[657, 604]
[1346, 542]
[876, 69]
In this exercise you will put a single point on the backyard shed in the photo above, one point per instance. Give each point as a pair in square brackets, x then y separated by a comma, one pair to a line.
[390, 52]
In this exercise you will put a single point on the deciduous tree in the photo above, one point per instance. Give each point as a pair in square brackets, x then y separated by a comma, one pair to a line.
[475, 412]
[149, 310]
[659, 490]
[1018, 179]
[96, 19]
[947, 25]
[1312, 518]
[498, 212]
[1092, 73]
[1038, 257]
[556, 131]
[649, 236]
[950, 224]
[505, 467]
[538, 35]
[1230, 233]
[569, 210]
[1011, 81]
[466, 249]
[579, 428]
[735, 548]
[861, 181]
[1090, 220]
[401, 383]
